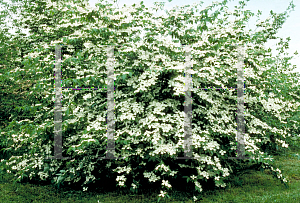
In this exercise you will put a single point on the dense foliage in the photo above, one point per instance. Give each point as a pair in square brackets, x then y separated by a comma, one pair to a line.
[149, 94]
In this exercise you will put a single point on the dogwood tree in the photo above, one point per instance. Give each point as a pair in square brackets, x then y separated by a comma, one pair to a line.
[149, 109]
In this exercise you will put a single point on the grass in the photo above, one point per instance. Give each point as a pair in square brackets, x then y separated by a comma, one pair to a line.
[252, 186]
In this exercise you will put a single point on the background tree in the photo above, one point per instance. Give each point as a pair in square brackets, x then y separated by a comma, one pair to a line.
[12, 92]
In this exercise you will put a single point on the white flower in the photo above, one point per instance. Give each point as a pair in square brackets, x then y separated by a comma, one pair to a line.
[128, 19]
[162, 166]
[122, 177]
[166, 183]
[133, 185]
[285, 145]
[222, 152]
[205, 174]
[172, 173]
[126, 169]
[197, 184]
[193, 177]
[45, 46]
[162, 194]
[82, 10]
[225, 170]
[87, 96]
[152, 177]
[88, 44]
[216, 159]
[211, 145]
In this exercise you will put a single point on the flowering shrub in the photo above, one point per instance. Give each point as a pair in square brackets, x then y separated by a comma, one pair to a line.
[149, 132]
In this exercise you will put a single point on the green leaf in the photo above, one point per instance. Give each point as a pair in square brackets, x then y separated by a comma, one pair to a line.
[46, 168]
[152, 159]
[67, 112]
[71, 149]
[60, 178]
